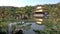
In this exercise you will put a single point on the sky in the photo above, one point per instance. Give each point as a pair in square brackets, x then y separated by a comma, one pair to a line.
[21, 3]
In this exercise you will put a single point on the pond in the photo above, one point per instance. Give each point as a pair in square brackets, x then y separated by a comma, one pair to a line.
[28, 27]
[34, 26]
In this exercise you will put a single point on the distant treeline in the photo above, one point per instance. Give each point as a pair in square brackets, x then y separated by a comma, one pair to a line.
[9, 13]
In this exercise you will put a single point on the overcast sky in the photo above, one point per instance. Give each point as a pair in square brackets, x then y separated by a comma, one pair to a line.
[19, 3]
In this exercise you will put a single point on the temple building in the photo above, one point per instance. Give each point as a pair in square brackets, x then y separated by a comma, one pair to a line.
[40, 13]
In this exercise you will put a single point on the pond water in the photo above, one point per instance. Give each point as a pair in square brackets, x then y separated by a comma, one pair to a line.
[28, 27]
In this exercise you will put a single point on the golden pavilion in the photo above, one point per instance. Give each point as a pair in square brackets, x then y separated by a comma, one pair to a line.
[40, 13]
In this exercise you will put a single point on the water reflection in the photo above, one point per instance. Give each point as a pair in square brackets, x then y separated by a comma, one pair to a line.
[28, 27]
[32, 26]
[29, 32]
[37, 27]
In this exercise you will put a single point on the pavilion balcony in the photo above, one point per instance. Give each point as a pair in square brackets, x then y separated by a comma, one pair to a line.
[39, 20]
[40, 10]
[38, 15]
